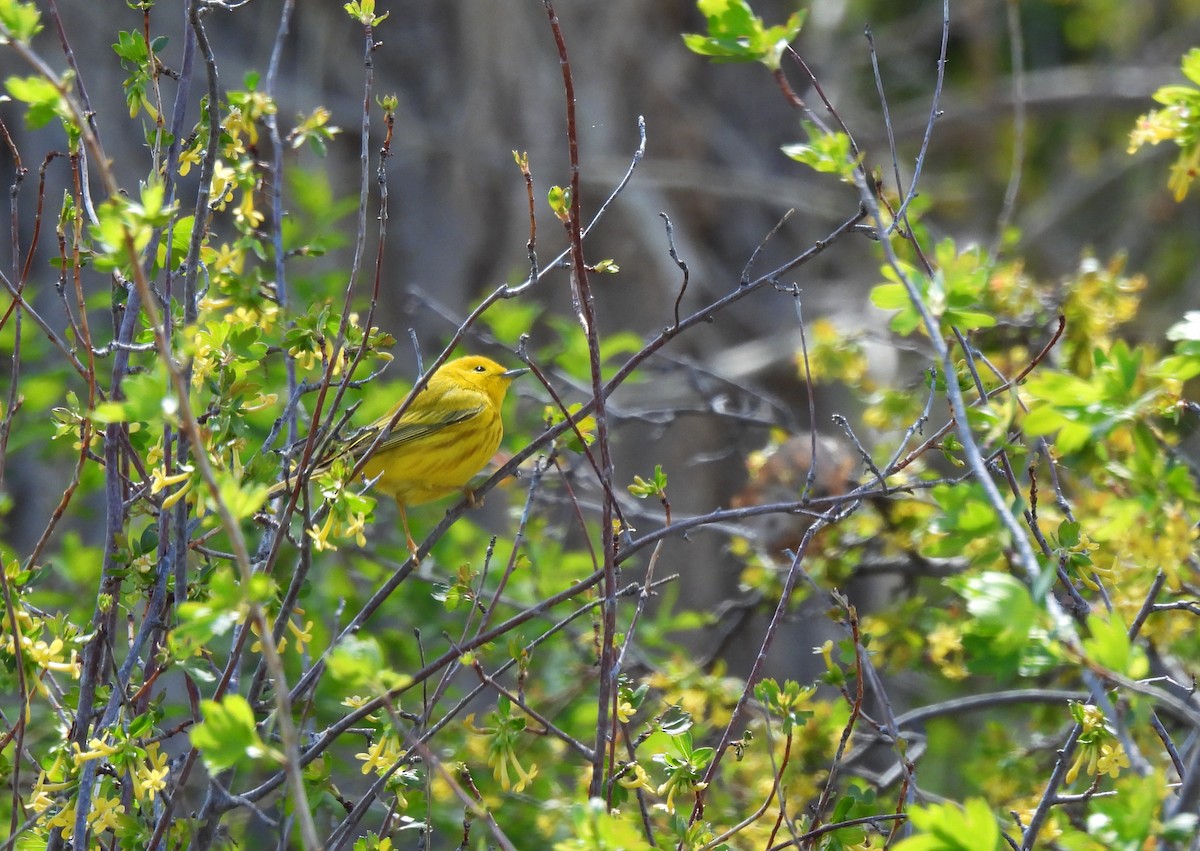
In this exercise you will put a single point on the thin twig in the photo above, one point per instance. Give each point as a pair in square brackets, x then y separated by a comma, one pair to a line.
[934, 113]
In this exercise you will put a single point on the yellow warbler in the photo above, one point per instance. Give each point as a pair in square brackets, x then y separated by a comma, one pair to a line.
[447, 435]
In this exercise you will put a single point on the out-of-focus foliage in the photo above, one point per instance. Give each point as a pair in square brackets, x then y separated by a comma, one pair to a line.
[1177, 121]
[998, 605]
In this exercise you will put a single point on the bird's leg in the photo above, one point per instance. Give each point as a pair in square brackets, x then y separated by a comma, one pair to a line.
[408, 538]
[472, 500]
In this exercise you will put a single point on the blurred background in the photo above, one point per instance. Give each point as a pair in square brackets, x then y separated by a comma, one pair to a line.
[478, 79]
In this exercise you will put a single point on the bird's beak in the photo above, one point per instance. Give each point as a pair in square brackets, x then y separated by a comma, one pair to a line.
[514, 373]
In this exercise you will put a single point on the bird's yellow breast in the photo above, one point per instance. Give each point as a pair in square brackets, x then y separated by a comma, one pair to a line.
[437, 465]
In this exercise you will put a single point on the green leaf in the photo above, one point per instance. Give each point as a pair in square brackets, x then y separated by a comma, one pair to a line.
[948, 827]
[227, 736]
[560, 202]
[1184, 367]
[198, 624]
[1068, 533]
[788, 702]
[42, 97]
[999, 603]
[131, 47]
[829, 153]
[1001, 636]
[735, 34]
[1174, 95]
[1042, 419]
[510, 318]
[363, 11]
[676, 721]
[1108, 644]
[890, 297]
[242, 500]
[655, 486]
[1127, 820]
[1190, 65]
[595, 828]
[729, 18]
[19, 21]
[895, 296]
[202, 620]
[356, 661]
[1072, 437]
[181, 236]
[970, 320]
[109, 412]
[967, 521]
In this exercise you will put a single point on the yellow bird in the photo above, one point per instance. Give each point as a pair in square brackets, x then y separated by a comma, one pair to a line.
[445, 437]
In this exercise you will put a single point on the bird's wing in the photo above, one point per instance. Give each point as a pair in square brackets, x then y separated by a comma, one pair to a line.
[440, 405]
[413, 428]
[446, 405]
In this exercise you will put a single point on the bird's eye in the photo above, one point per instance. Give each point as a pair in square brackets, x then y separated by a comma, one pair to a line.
[481, 369]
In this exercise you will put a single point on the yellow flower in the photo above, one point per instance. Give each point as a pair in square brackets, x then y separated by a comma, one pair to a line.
[211, 302]
[625, 711]
[262, 400]
[500, 762]
[946, 651]
[49, 657]
[226, 259]
[97, 750]
[223, 183]
[246, 213]
[677, 783]
[40, 802]
[381, 756]
[636, 778]
[64, 819]
[355, 529]
[256, 647]
[264, 316]
[303, 635]
[105, 814]
[234, 147]
[160, 481]
[188, 158]
[1098, 747]
[44, 789]
[320, 537]
[1183, 172]
[150, 777]
[501, 746]
[1111, 759]
[1150, 129]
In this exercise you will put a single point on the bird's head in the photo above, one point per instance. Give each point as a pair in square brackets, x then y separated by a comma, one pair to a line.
[484, 374]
